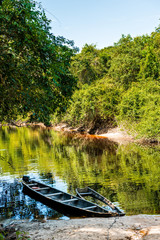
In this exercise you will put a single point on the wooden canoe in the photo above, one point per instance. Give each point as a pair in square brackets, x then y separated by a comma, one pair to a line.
[62, 202]
[87, 191]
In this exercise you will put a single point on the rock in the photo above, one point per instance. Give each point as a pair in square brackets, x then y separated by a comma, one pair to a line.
[136, 226]
[43, 221]
[46, 227]
[128, 227]
[7, 222]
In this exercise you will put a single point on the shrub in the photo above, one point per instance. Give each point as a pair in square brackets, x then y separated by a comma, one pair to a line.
[94, 104]
[141, 107]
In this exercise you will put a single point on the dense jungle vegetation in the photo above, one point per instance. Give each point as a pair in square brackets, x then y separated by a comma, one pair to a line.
[43, 78]
[119, 85]
[34, 64]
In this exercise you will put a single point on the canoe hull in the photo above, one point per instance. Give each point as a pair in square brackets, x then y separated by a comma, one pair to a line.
[65, 209]
[87, 191]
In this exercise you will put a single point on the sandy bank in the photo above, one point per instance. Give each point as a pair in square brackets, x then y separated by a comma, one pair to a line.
[118, 135]
[114, 134]
[137, 227]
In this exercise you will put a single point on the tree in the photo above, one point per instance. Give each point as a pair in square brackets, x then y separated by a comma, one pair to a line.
[34, 64]
[126, 60]
[89, 65]
[94, 105]
[149, 65]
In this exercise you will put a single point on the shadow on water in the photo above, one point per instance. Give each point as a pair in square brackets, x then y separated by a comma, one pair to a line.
[128, 175]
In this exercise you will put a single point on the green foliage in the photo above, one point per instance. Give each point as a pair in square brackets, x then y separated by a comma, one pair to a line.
[131, 104]
[141, 105]
[133, 67]
[34, 74]
[149, 65]
[94, 104]
[89, 65]
[22, 235]
[126, 60]
[1, 237]
[39, 73]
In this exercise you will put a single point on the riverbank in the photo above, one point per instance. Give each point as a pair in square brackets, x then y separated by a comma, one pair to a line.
[117, 134]
[146, 227]
[114, 134]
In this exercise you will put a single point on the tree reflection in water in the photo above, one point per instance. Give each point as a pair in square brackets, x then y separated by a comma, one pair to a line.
[126, 174]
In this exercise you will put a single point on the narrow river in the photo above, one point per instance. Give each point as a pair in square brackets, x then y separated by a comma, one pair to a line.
[128, 175]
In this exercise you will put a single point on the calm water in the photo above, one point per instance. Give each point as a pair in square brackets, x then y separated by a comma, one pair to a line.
[129, 175]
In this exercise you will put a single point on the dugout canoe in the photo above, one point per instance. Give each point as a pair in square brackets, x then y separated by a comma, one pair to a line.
[63, 202]
[87, 191]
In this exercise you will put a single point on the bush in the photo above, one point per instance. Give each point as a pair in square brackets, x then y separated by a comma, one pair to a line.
[94, 104]
[141, 107]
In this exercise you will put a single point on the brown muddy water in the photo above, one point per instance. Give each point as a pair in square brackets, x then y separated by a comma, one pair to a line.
[128, 175]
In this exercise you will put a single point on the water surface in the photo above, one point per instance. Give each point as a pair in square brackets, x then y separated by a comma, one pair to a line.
[128, 175]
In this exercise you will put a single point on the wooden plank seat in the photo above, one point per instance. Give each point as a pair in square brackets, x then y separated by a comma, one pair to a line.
[87, 193]
[32, 184]
[39, 189]
[53, 194]
[69, 200]
[90, 207]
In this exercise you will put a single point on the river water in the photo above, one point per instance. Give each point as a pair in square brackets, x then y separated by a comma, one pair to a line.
[128, 175]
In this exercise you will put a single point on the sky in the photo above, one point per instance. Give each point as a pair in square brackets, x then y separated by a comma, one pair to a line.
[101, 22]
